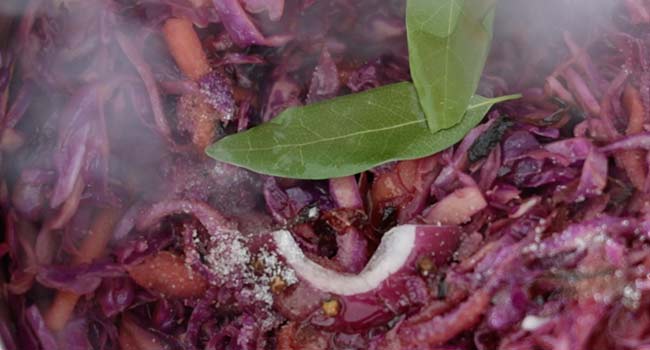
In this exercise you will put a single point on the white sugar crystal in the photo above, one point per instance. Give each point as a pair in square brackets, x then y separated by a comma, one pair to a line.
[231, 260]
[228, 257]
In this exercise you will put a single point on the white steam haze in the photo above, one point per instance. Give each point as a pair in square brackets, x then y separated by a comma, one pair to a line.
[526, 22]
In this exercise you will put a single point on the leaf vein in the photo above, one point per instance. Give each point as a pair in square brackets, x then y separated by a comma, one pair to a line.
[328, 139]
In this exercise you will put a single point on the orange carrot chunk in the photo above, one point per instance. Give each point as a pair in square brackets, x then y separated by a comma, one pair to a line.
[92, 247]
[58, 315]
[185, 47]
[633, 161]
[634, 107]
[168, 274]
[199, 119]
[134, 337]
[100, 234]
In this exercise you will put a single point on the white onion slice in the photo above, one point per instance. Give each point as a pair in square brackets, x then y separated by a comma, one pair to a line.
[392, 254]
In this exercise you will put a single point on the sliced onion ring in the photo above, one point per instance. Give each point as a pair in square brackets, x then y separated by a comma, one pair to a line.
[398, 250]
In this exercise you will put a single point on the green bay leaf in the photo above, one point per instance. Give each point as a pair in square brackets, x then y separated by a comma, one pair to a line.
[345, 135]
[437, 17]
[446, 68]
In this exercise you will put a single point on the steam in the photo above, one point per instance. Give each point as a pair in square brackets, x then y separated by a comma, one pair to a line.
[73, 60]
[66, 51]
[66, 59]
[530, 37]
[543, 22]
[11, 8]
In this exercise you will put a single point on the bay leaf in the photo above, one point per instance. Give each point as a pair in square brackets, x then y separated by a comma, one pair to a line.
[345, 135]
[438, 17]
[446, 65]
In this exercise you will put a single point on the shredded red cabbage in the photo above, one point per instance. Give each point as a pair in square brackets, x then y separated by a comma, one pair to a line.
[118, 233]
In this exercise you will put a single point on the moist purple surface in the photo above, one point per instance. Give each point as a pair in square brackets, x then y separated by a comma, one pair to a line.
[531, 233]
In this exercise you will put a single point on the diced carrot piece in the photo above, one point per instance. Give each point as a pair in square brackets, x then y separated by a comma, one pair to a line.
[634, 107]
[408, 173]
[386, 187]
[198, 118]
[457, 208]
[100, 233]
[167, 274]
[133, 336]
[185, 47]
[60, 311]
[387, 194]
[92, 247]
[633, 161]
